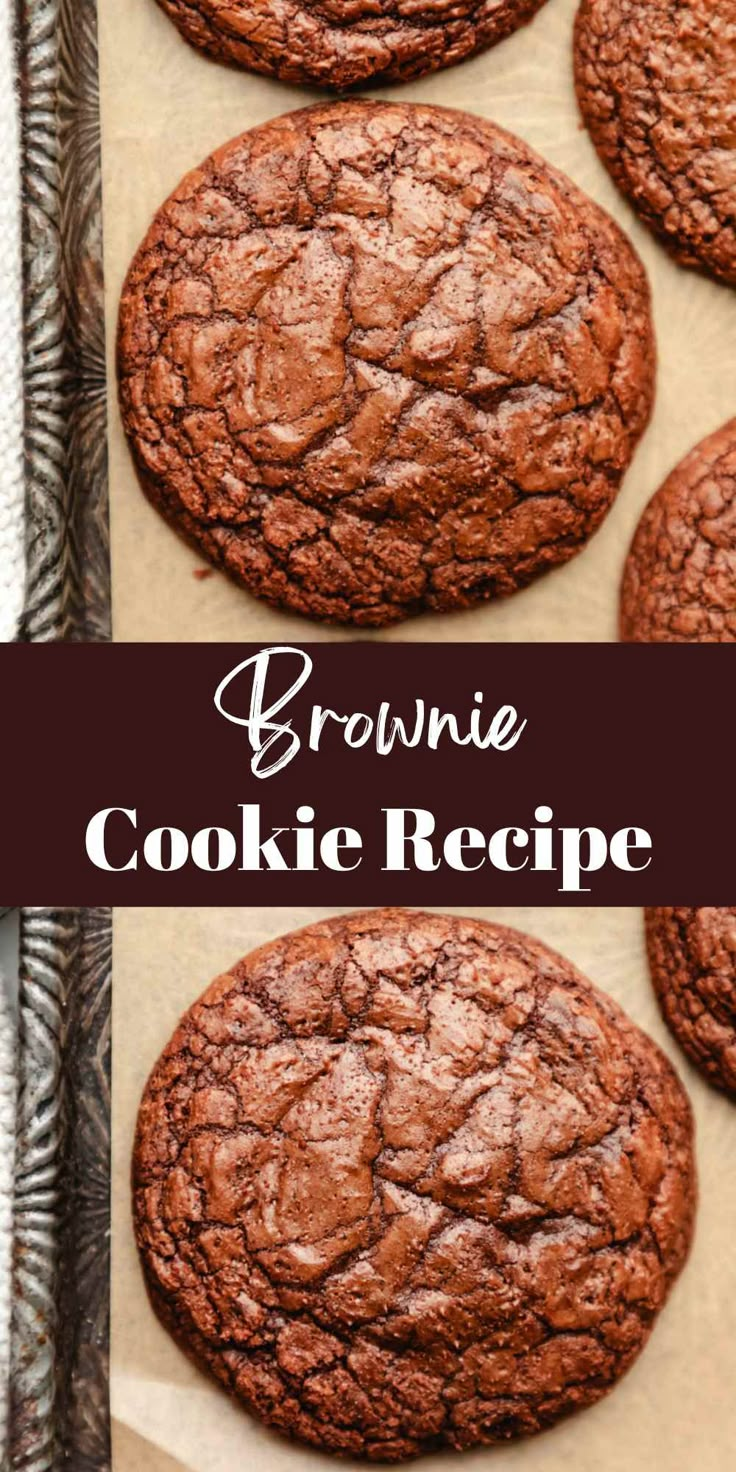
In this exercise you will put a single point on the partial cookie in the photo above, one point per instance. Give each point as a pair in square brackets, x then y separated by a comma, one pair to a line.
[338, 43]
[405, 1181]
[380, 358]
[679, 583]
[692, 956]
[656, 82]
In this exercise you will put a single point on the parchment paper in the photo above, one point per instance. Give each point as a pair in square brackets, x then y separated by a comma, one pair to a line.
[165, 109]
[675, 1410]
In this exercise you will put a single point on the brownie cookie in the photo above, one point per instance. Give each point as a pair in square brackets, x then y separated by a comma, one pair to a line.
[656, 82]
[405, 1181]
[679, 583]
[692, 957]
[381, 358]
[338, 43]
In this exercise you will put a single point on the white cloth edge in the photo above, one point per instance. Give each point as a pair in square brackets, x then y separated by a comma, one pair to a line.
[12, 531]
[7, 1163]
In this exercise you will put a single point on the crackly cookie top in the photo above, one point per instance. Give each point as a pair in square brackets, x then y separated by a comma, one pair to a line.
[679, 583]
[404, 1181]
[656, 81]
[338, 43]
[378, 358]
[692, 955]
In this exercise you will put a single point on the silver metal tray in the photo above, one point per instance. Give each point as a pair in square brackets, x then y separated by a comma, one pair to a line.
[59, 1403]
[67, 543]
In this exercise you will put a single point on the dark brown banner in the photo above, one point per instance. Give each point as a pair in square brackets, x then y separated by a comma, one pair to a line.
[368, 774]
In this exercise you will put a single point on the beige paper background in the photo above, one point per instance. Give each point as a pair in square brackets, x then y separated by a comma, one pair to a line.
[675, 1410]
[165, 108]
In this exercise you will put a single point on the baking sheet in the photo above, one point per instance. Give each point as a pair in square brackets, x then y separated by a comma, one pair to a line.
[164, 108]
[675, 1409]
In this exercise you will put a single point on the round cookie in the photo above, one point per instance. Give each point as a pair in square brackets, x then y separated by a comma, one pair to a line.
[656, 83]
[405, 1181]
[679, 583]
[692, 957]
[379, 358]
[339, 43]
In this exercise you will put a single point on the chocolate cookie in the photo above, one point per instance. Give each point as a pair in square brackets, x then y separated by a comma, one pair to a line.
[338, 43]
[376, 359]
[656, 82]
[405, 1181]
[679, 583]
[692, 956]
